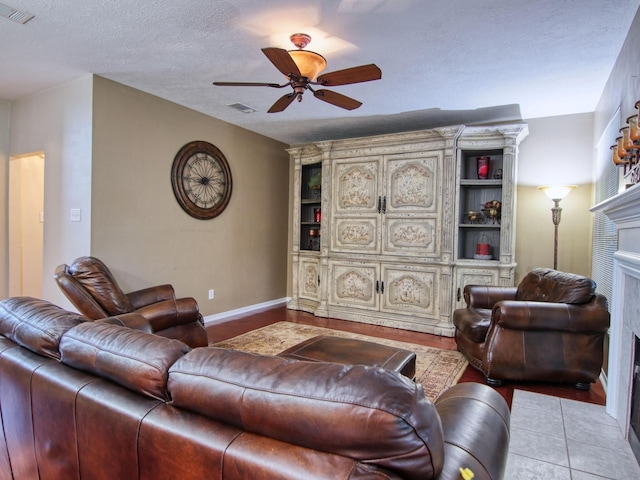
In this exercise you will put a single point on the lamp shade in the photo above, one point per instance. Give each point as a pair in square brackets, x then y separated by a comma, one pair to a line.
[557, 192]
[309, 63]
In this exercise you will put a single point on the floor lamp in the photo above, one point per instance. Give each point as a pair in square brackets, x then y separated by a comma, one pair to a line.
[556, 193]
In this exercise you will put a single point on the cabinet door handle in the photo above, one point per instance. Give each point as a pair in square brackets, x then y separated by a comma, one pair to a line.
[384, 204]
[318, 280]
[379, 204]
[458, 294]
[382, 287]
[377, 286]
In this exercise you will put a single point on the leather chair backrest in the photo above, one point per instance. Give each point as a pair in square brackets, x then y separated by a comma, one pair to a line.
[94, 276]
[547, 285]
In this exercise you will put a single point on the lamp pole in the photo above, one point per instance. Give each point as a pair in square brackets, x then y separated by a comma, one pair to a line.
[555, 216]
[556, 193]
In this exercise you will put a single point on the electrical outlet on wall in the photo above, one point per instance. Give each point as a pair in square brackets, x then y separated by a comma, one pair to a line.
[212, 294]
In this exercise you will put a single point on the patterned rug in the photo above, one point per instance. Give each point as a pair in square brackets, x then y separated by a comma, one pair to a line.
[436, 369]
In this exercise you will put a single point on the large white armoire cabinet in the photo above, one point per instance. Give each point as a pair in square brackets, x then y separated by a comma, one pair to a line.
[388, 229]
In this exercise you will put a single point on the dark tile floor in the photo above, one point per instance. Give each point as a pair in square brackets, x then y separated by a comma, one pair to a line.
[241, 324]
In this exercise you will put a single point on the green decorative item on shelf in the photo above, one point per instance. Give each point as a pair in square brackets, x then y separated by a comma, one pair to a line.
[315, 182]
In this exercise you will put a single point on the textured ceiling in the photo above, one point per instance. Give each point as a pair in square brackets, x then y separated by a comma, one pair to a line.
[443, 61]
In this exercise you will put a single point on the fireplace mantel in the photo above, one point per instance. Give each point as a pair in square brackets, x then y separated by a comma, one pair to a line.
[624, 210]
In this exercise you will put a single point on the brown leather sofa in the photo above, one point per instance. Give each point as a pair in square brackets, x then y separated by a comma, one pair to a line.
[549, 328]
[93, 290]
[98, 400]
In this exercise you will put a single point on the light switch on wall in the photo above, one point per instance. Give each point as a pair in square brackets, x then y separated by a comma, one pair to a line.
[74, 215]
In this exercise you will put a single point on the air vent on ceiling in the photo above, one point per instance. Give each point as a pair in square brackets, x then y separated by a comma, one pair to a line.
[243, 108]
[13, 14]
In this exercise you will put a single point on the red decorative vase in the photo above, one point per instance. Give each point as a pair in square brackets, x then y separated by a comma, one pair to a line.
[483, 167]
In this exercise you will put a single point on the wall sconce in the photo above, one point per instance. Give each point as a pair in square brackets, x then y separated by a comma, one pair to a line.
[626, 151]
[556, 193]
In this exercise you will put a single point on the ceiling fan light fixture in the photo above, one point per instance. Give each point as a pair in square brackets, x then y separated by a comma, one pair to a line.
[309, 63]
[301, 67]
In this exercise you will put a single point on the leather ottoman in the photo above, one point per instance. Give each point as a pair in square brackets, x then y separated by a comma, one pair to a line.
[350, 351]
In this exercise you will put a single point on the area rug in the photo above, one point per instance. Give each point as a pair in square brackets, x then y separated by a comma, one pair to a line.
[436, 369]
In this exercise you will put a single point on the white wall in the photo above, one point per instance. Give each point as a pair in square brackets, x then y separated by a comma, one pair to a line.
[623, 87]
[59, 123]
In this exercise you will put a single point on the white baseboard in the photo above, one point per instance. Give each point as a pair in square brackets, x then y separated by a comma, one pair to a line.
[220, 317]
[604, 381]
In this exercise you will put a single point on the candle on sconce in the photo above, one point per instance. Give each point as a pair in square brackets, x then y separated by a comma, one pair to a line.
[616, 158]
[634, 129]
[483, 249]
[627, 143]
[622, 152]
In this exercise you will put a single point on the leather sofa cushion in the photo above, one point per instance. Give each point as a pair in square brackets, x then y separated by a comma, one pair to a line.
[378, 417]
[36, 324]
[97, 279]
[136, 360]
[547, 285]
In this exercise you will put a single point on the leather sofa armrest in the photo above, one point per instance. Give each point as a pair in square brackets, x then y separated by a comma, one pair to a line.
[476, 425]
[486, 296]
[549, 316]
[151, 295]
[167, 314]
[134, 321]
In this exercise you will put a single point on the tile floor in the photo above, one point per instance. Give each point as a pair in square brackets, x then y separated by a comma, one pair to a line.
[559, 439]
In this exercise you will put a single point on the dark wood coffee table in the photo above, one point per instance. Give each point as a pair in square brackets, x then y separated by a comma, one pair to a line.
[350, 351]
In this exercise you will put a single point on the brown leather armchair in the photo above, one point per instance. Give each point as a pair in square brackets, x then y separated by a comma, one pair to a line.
[549, 328]
[94, 291]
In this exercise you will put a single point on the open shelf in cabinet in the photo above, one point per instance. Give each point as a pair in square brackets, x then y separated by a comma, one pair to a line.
[471, 235]
[475, 196]
[469, 166]
[310, 207]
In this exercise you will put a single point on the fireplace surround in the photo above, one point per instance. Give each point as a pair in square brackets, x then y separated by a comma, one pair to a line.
[624, 210]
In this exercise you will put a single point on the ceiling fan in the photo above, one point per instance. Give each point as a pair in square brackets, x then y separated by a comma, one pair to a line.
[301, 67]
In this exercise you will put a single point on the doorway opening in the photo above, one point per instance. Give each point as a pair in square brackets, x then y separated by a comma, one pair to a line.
[26, 224]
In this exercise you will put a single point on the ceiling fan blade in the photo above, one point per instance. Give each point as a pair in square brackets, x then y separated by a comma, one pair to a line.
[246, 84]
[363, 73]
[282, 103]
[337, 99]
[282, 60]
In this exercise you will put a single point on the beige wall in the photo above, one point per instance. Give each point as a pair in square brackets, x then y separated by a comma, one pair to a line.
[58, 123]
[4, 178]
[26, 208]
[140, 231]
[559, 150]
[534, 230]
